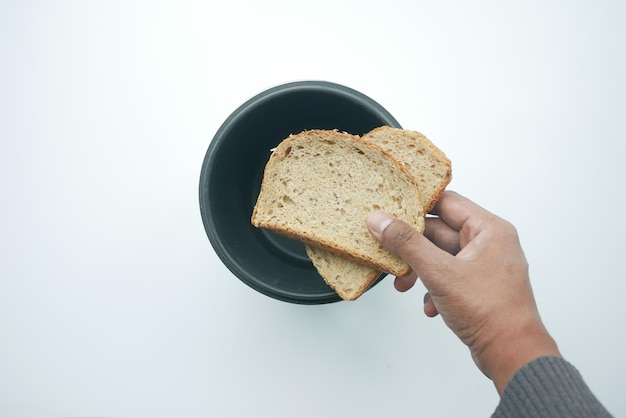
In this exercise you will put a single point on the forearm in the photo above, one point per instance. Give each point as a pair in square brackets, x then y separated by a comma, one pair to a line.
[513, 349]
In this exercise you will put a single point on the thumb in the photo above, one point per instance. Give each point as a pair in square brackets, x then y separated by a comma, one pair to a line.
[431, 263]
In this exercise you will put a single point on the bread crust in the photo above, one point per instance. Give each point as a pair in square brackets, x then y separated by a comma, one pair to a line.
[432, 170]
[444, 165]
[364, 249]
[349, 279]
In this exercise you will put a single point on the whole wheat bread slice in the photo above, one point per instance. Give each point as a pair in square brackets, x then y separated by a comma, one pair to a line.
[431, 169]
[319, 187]
[349, 279]
[430, 166]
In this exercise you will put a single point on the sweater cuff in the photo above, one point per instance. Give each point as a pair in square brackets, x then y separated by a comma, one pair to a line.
[548, 387]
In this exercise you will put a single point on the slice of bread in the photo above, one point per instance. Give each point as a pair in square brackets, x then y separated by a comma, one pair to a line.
[432, 171]
[349, 279]
[430, 167]
[319, 187]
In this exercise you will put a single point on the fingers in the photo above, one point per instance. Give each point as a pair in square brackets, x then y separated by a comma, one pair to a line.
[429, 306]
[429, 262]
[456, 210]
[454, 213]
[404, 283]
[442, 235]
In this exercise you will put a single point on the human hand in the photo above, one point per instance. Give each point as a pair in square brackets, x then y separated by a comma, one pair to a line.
[476, 275]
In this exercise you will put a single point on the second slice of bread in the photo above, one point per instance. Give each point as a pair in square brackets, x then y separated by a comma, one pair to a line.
[319, 187]
[431, 169]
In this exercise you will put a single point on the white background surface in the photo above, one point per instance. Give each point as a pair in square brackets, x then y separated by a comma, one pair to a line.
[112, 301]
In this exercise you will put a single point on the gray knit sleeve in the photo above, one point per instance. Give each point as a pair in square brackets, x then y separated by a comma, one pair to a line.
[548, 387]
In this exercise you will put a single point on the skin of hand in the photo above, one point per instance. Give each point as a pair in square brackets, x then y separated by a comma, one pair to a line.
[476, 275]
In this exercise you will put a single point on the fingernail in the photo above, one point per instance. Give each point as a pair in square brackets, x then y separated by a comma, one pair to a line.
[378, 222]
[426, 298]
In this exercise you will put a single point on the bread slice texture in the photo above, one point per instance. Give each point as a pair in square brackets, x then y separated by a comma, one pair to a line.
[319, 186]
[432, 170]
[428, 165]
[349, 279]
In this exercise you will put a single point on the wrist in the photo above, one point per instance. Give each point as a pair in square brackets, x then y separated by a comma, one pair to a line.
[514, 348]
